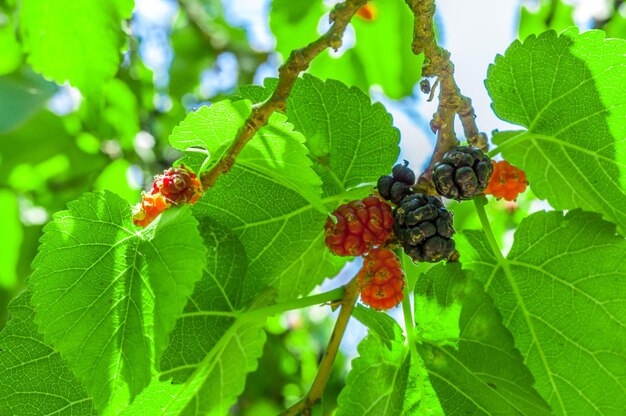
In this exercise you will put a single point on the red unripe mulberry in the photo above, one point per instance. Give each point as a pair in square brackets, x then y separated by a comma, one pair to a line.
[358, 226]
[381, 279]
[178, 185]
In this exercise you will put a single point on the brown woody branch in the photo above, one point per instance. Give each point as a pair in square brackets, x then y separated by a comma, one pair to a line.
[451, 102]
[297, 62]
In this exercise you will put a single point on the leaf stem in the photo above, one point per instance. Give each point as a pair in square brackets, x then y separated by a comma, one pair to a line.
[409, 327]
[317, 388]
[437, 63]
[321, 298]
[297, 62]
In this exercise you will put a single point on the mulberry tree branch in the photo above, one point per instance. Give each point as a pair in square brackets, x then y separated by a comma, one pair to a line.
[437, 64]
[348, 302]
[297, 62]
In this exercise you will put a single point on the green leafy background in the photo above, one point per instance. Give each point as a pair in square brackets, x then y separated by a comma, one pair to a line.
[170, 319]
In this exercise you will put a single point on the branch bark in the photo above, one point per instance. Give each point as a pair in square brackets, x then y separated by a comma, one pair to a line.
[437, 64]
[297, 62]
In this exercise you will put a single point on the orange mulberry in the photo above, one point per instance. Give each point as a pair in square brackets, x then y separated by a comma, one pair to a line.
[369, 12]
[358, 226]
[151, 206]
[381, 279]
[507, 181]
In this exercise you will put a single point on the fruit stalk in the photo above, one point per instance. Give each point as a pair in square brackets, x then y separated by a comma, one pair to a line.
[323, 373]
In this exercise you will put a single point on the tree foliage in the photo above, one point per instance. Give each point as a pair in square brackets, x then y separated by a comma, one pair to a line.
[187, 315]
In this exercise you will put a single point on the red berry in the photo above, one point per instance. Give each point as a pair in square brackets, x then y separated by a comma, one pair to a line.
[507, 181]
[359, 226]
[151, 206]
[179, 185]
[381, 279]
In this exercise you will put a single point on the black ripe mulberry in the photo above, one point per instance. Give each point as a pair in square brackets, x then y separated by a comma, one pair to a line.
[395, 187]
[463, 172]
[424, 228]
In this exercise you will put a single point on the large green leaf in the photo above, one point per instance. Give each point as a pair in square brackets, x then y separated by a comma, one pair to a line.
[276, 152]
[351, 140]
[567, 91]
[214, 386]
[77, 41]
[469, 354]
[352, 144]
[34, 379]
[382, 53]
[561, 291]
[382, 381]
[213, 306]
[210, 353]
[107, 296]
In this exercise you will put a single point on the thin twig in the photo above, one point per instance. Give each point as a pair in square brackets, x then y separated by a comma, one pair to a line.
[323, 373]
[297, 62]
[451, 102]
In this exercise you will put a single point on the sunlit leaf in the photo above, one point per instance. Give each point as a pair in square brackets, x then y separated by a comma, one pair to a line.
[469, 354]
[567, 91]
[107, 296]
[561, 294]
[34, 379]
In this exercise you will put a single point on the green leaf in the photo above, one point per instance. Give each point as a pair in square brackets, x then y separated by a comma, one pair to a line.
[276, 151]
[12, 235]
[469, 354]
[107, 296]
[382, 53]
[379, 322]
[551, 14]
[22, 95]
[34, 379]
[213, 306]
[294, 24]
[567, 91]
[352, 143]
[10, 48]
[77, 41]
[561, 293]
[378, 384]
[214, 386]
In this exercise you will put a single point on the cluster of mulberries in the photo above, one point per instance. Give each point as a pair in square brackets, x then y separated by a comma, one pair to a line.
[420, 223]
[176, 186]
[358, 228]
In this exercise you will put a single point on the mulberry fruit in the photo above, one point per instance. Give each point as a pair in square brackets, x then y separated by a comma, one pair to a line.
[358, 226]
[395, 187]
[424, 228]
[507, 181]
[175, 186]
[463, 172]
[151, 206]
[178, 185]
[368, 12]
[381, 279]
